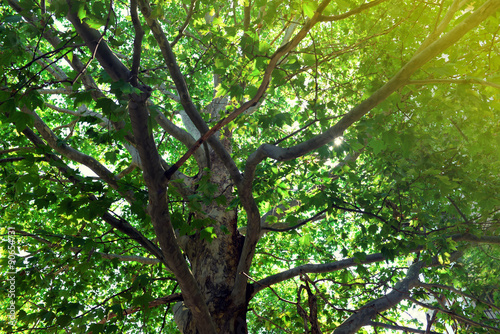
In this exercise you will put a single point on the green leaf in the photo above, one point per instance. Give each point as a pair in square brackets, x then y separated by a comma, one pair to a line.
[12, 18]
[359, 257]
[309, 8]
[208, 234]
[21, 120]
[63, 320]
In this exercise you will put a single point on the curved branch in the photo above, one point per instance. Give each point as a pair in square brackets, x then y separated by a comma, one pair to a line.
[454, 315]
[185, 98]
[312, 268]
[95, 42]
[399, 80]
[57, 145]
[370, 310]
[120, 224]
[245, 186]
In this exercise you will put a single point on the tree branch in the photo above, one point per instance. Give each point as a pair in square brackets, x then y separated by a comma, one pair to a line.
[95, 42]
[399, 80]
[354, 11]
[372, 309]
[120, 224]
[51, 37]
[454, 315]
[475, 239]
[312, 268]
[458, 292]
[11, 159]
[185, 98]
[139, 34]
[285, 49]
[124, 258]
[245, 186]
[320, 215]
[158, 301]
[454, 81]
[346, 263]
[442, 25]
[181, 135]
[399, 328]
[185, 24]
[57, 145]
[158, 210]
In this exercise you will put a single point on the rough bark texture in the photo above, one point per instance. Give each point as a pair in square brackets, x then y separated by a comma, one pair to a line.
[214, 263]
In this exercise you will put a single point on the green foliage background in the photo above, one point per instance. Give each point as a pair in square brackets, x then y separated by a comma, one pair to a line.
[431, 149]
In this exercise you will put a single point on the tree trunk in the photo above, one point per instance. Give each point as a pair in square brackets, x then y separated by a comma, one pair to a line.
[214, 263]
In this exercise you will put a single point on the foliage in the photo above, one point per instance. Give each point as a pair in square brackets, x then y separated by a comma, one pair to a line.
[346, 178]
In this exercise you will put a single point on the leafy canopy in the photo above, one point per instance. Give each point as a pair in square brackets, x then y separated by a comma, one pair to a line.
[351, 165]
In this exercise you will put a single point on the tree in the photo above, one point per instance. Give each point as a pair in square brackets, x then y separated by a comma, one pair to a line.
[250, 166]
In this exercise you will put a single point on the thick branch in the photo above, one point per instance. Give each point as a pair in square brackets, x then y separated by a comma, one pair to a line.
[245, 186]
[153, 174]
[95, 42]
[398, 80]
[313, 268]
[139, 34]
[475, 239]
[364, 315]
[185, 98]
[57, 145]
[120, 224]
